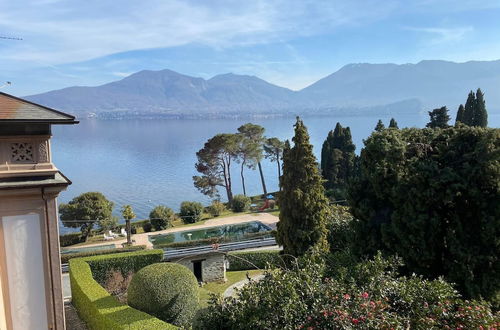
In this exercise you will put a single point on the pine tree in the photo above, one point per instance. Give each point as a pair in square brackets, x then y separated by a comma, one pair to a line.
[393, 124]
[460, 115]
[303, 206]
[480, 113]
[438, 118]
[380, 126]
[469, 109]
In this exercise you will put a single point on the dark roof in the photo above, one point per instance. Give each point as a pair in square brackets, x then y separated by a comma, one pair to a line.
[56, 180]
[14, 109]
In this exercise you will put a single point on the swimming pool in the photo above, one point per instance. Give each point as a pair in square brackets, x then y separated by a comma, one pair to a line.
[230, 233]
[87, 249]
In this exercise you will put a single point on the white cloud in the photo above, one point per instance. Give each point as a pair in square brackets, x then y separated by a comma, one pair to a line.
[57, 32]
[122, 74]
[440, 35]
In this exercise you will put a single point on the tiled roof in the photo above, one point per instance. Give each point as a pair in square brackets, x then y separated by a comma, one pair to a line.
[15, 109]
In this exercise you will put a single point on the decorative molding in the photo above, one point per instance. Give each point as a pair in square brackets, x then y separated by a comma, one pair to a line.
[21, 152]
[43, 154]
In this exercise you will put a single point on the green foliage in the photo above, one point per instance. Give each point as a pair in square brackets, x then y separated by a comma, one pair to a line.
[303, 204]
[70, 239]
[240, 203]
[431, 196]
[254, 135]
[147, 227]
[438, 118]
[128, 212]
[67, 256]
[168, 291]
[273, 148]
[337, 159]
[474, 113]
[84, 211]
[109, 223]
[261, 259]
[214, 164]
[341, 232]
[367, 295]
[161, 217]
[128, 262]
[460, 115]
[393, 124]
[380, 126]
[216, 208]
[191, 212]
[99, 309]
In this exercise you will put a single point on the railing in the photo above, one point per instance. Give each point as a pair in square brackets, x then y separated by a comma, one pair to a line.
[224, 247]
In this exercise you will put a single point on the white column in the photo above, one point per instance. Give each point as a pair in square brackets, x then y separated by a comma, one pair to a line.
[25, 271]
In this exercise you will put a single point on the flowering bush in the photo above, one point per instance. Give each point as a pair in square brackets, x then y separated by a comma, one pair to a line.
[367, 295]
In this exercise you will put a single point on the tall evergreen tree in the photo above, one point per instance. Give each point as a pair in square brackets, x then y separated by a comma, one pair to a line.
[438, 118]
[470, 105]
[393, 124]
[303, 205]
[337, 158]
[460, 114]
[480, 113]
[380, 126]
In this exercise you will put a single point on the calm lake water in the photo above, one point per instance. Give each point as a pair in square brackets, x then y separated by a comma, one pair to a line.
[150, 162]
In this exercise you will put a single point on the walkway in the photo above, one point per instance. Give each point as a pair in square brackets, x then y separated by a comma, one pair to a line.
[231, 291]
[142, 239]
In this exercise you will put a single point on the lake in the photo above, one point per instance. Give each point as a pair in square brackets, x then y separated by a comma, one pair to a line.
[150, 162]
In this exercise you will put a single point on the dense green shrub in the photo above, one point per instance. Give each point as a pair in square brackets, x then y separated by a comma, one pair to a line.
[125, 262]
[431, 196]
[71, 239]
[66, 257]
[168, 291]
[216, 208]
[240, 203]
[191, 212]
[161, 217]
[99, 309]
[261, 259]
[147, 227]
[368, 295]
[211, 240]
[341, 231]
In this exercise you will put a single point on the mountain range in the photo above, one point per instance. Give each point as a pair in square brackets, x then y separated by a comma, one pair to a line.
[354, 89]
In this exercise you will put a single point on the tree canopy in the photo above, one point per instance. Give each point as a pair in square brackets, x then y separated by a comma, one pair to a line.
[214, 163]
[338, 159]
[474, 113]
[86, 210]
[380, 126]
[438, 118]
[273, 148]
[254, 134]
[393, 123]
[161, 217]
[303, 205]
[431, 196]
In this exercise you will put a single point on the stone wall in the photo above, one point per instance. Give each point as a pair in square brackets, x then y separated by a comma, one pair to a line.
[213, 266]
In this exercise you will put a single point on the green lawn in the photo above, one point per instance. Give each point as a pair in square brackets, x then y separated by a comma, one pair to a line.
[219, 288]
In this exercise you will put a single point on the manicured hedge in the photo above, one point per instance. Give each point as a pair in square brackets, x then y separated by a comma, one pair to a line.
[125, 262]
[168, 291]
[254, 259]
[66, 257]
[97, 307]
[70, 239]
[209, 241]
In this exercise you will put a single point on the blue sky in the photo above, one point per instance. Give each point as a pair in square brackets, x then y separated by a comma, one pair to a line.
[286, 42]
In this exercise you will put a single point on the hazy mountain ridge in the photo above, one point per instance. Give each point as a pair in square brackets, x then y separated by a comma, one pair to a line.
[355, 88]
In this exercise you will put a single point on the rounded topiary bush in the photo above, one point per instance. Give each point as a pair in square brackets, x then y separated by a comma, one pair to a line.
[166, 290]
[240, 203]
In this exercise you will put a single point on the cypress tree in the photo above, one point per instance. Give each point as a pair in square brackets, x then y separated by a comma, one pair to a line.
[460, 115]
[469, 109]
[303, 205]
[337, 159]
[438, 118]
[480, 113]
[380, 126]
[393, 124]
